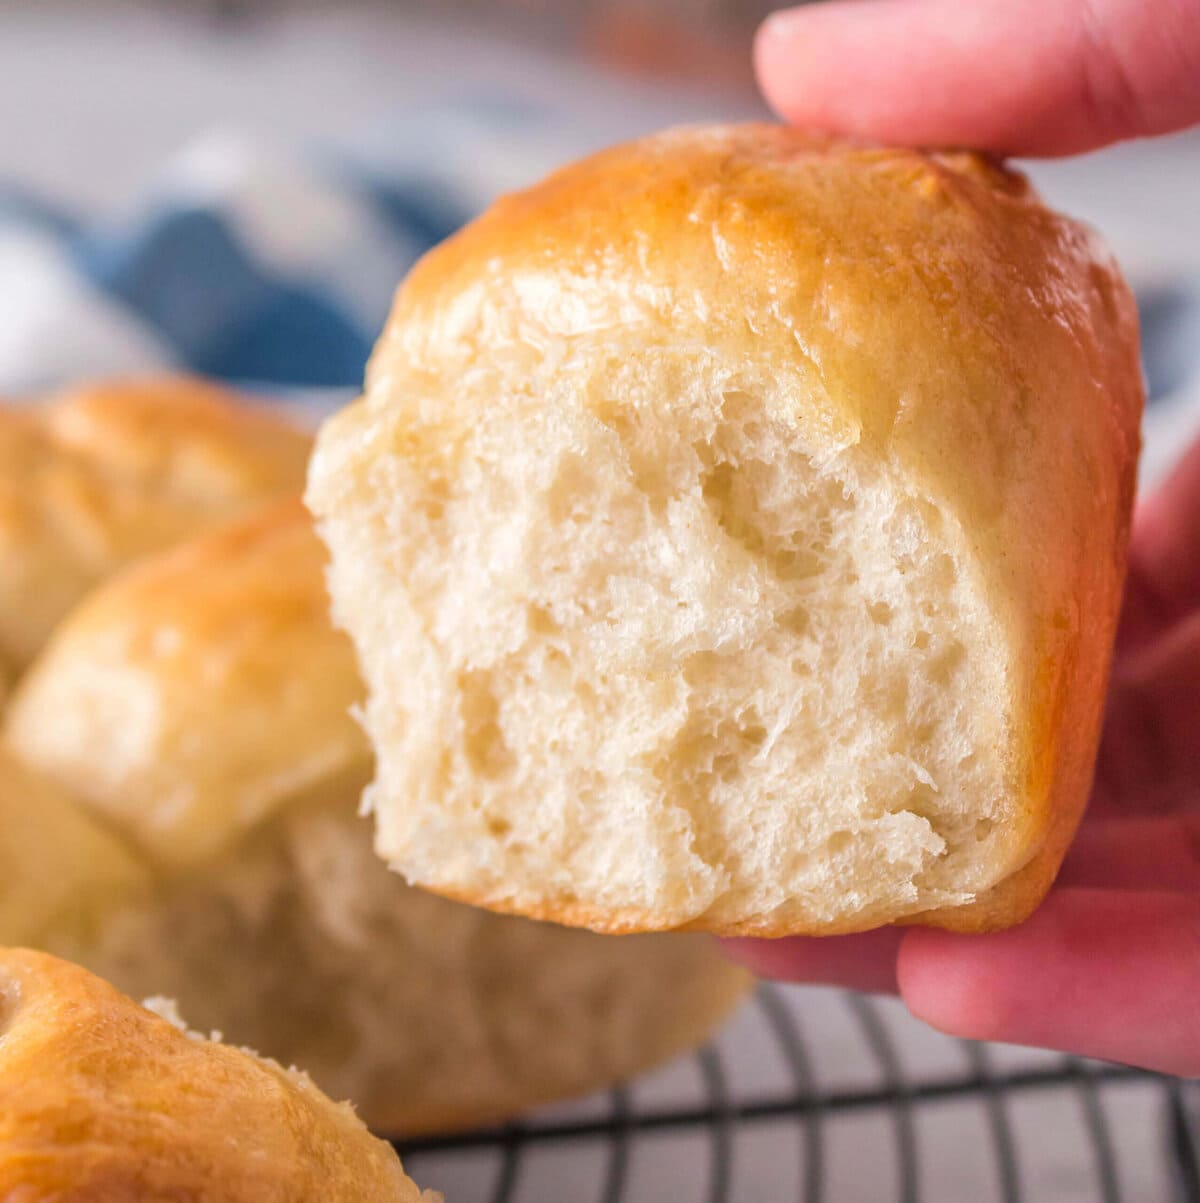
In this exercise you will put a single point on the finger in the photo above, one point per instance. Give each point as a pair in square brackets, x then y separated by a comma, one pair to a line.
[1149, 752]
[1101, 973]
[865, 961]
[1164, 564]
[1010, 76]
[1145, 853]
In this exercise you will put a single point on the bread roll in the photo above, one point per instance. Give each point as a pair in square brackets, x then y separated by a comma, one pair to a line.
[103, 474]
[200, 692]
[102, 1101]
[428, 1015]
[59, 867]
[732, 533]
[196, 704]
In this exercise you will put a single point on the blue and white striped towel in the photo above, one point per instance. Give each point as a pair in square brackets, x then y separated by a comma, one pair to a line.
[275, 269]
[253, 264]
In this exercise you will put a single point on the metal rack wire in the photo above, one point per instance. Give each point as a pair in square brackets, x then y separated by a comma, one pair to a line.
[595, 1151]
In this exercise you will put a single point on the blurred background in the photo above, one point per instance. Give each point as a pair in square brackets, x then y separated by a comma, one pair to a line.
[151, 75]
[236, 186]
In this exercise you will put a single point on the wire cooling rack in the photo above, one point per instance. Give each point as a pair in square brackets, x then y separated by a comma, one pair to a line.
[815, 1095]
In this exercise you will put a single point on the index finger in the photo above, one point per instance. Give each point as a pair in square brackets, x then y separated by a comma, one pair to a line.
[1010, 76]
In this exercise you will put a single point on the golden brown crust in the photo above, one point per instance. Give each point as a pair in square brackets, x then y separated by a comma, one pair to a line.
[169, 702]
[102, 1100]
[100, 475]
[927, 308]
[179, 437]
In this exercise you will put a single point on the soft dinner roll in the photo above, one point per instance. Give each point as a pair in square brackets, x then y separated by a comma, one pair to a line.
[59, 868]
[196, 704]
[732, 534]
[102, 1101]
[103, 474]
[172, 701]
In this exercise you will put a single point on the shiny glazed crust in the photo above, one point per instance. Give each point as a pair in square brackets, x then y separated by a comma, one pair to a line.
[102, 474]
[934, 315]
[102, 1100]
[200, 690]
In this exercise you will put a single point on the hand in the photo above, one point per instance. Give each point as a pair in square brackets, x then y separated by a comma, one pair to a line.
[1031, 77]
[1109, 966]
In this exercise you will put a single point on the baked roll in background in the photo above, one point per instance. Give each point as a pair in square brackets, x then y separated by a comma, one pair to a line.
[94, 478]
[60, 867]
[732, 534]
[190, 721]
[102, 1100]
[192, 696]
